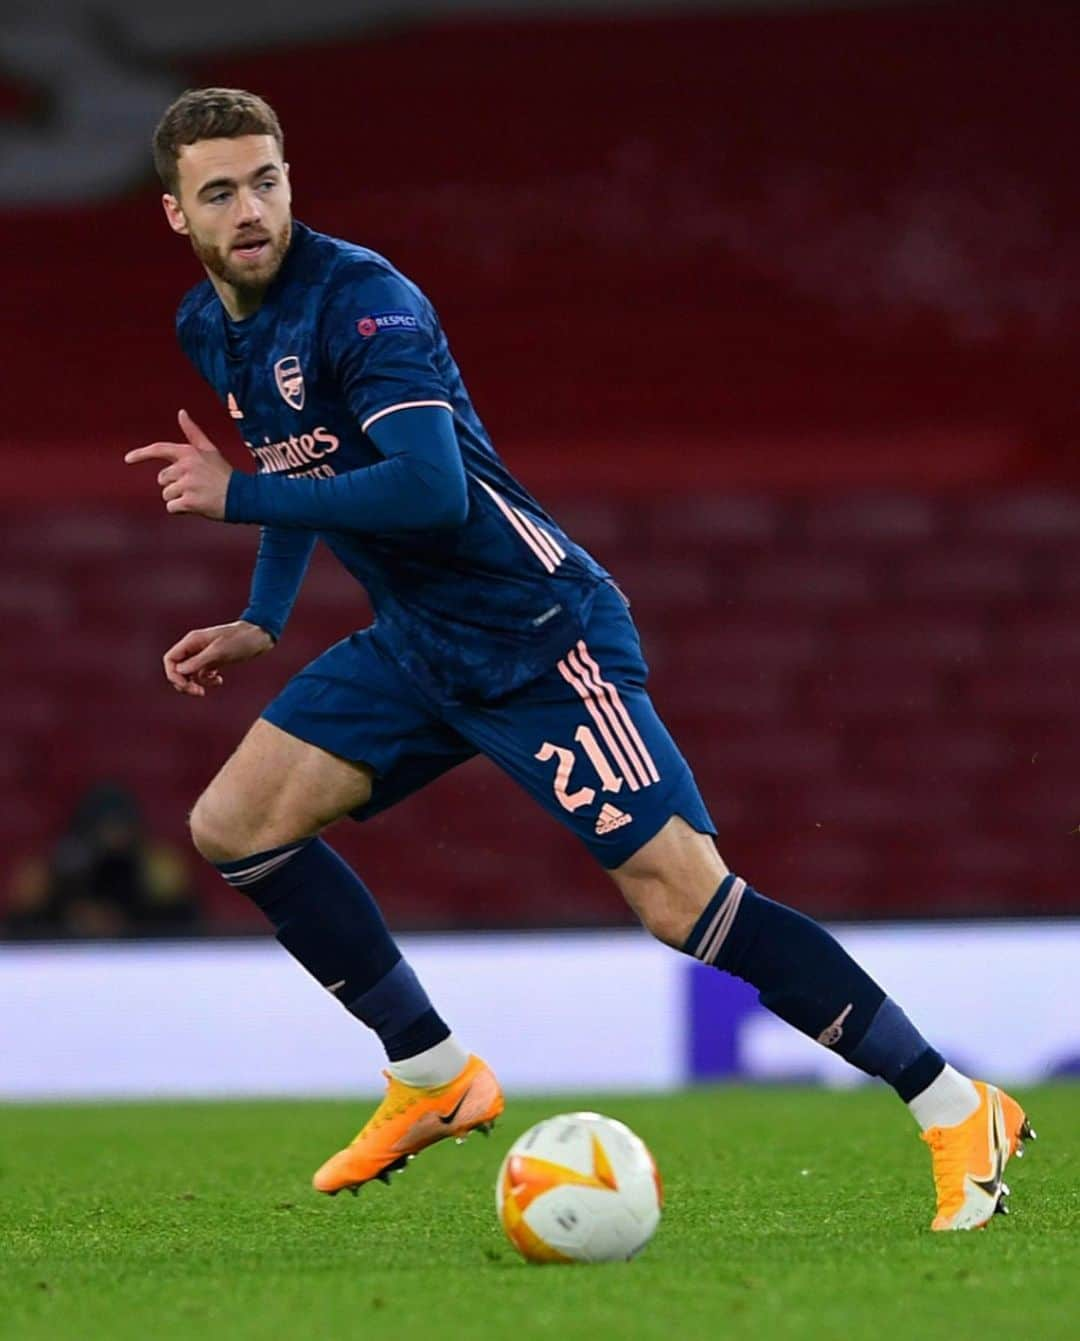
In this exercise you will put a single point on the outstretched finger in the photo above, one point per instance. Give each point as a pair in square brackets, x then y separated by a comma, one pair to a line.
[194, 433]
[156, 451]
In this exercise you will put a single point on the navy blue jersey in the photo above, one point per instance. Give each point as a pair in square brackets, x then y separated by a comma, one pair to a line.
[342, 340]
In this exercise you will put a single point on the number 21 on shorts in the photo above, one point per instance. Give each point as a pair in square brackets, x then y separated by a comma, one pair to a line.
[567, 758]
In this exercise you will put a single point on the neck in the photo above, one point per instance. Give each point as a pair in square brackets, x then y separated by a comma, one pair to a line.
[239, 302]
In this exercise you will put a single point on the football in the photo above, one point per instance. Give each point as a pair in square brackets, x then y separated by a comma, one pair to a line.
[579, 1187]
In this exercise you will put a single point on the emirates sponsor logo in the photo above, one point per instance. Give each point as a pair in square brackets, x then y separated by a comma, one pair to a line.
[296, 452]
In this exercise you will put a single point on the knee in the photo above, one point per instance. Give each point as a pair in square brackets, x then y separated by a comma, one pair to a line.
[669, 882]
[667, 915]
[226, 825]
[666, 908]
[215, 833]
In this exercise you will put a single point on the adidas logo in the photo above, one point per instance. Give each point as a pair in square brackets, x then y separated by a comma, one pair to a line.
[611, 819]
[234, 409]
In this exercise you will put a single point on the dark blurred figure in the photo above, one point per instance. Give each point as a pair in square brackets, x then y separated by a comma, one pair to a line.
[104, 877]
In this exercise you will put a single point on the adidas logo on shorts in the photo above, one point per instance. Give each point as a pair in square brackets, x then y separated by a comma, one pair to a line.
[611, 819]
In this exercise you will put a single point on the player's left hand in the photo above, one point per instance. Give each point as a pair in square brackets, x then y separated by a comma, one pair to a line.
[196, 480]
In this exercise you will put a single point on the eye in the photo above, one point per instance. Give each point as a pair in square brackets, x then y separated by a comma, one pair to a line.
[266, 186]
[219, 197]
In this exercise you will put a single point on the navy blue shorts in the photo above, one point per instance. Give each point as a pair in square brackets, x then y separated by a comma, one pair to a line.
[583, 739]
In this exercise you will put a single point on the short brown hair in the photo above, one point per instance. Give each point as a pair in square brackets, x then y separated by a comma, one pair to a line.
[209, 114]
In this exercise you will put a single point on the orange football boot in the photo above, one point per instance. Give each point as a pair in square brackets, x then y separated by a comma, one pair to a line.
[409, 1120]
[970, 1158]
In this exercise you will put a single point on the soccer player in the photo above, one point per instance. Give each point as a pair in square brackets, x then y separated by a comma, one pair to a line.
[494, 633]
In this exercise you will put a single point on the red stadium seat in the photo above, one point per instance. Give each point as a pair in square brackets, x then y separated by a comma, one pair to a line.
[901, 639]
[856, 691]
[873, 520]
[1023, 691]
[718, 640]
[664, 585]
[1046, 639]
[942, 751]
[945, 576]
[1038, 519]
[805, 581]
[781, 752]
[712, 523]
[684, 693]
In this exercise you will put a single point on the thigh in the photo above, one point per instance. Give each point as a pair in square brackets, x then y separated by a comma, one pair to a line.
[273, 789]
[356, 705]
[586, 742]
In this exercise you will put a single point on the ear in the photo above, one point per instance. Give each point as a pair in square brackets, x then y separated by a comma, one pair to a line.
[175, 215]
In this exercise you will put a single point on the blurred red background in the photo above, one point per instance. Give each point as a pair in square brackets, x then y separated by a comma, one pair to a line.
[777, 314]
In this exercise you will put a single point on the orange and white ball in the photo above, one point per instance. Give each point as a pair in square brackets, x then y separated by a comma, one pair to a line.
[579, 1187]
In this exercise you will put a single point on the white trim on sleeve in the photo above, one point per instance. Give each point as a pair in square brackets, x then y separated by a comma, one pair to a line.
[405, 405]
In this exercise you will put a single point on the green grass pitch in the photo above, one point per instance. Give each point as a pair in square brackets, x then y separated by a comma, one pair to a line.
[790, 1213]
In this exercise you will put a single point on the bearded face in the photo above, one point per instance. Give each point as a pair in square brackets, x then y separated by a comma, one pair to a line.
[233, 202]
[250, 260]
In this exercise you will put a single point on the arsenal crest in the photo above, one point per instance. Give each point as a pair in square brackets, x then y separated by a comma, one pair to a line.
[290, 381]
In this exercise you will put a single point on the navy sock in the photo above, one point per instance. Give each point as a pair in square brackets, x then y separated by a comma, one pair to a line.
[324, 915]
[807, 978]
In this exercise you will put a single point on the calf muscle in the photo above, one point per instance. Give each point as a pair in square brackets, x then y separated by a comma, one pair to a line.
[274, 789]
[669, 881]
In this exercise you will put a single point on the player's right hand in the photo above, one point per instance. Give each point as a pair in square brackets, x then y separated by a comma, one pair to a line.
[193, 665]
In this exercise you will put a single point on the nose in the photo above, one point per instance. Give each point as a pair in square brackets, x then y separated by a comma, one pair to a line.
[249, 207]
